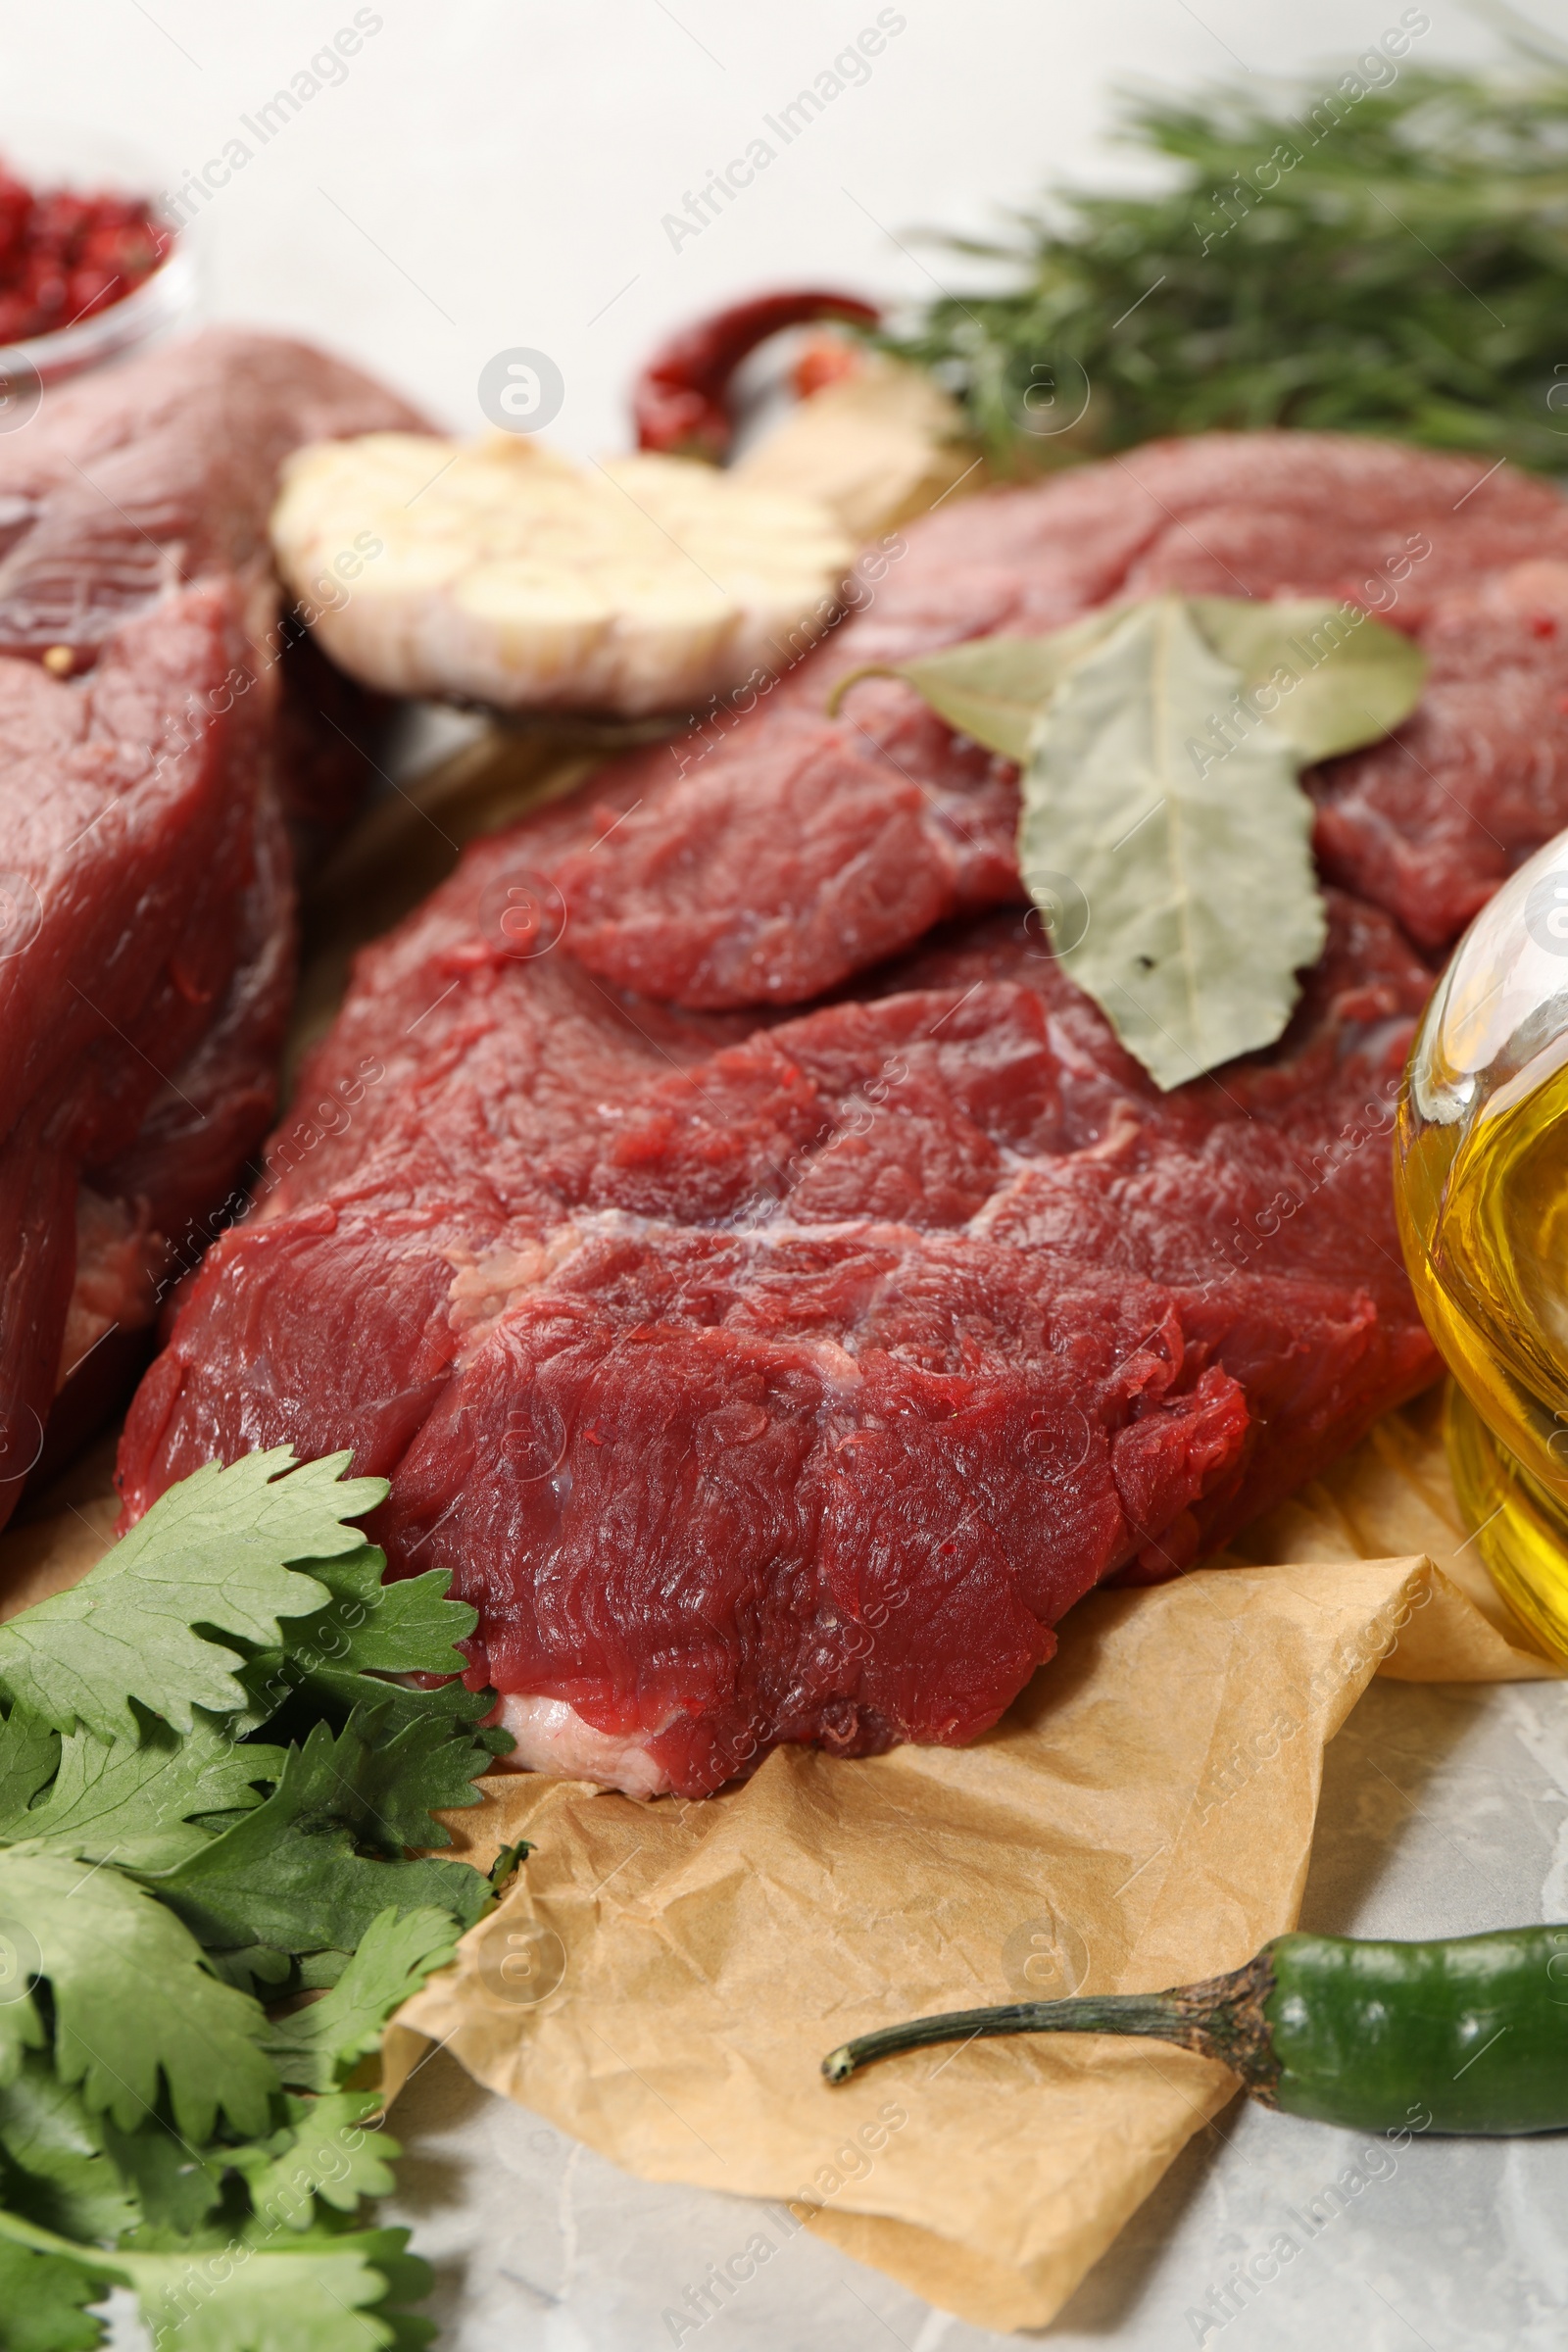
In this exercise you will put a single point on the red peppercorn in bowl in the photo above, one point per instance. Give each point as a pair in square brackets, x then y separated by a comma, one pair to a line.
[90, 264]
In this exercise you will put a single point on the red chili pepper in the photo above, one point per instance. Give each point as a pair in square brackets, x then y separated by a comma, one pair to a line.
[825, 360]
[680, 403]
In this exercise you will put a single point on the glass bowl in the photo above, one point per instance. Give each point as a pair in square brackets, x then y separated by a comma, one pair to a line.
[1481, 1181]
[51, 155]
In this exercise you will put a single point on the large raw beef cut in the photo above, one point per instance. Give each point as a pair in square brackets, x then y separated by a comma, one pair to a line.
[770, 1289]
[145, 895]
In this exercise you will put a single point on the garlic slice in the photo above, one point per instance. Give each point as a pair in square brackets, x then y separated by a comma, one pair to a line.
[498, 572]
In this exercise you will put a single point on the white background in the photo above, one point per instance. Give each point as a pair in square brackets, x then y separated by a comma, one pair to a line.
[495, 173]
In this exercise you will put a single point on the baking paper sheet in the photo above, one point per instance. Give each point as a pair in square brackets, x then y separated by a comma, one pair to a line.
[1393, 1494]
[665, 1978]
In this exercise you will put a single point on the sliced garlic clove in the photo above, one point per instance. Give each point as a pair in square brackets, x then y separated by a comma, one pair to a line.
[497, 572]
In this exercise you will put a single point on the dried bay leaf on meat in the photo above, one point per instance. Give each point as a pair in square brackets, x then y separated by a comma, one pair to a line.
[1327, 677]
[994, 689]
[1196, 870]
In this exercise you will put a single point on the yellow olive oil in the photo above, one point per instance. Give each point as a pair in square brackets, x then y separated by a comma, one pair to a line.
[1481, 1187]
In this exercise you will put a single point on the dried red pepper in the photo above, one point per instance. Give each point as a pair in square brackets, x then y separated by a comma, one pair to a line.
[680, 402]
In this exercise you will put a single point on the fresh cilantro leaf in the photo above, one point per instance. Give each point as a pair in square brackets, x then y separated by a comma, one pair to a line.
[29, 1752]
[298, 1695]
[406, 1627]
[417, 1765]
[319, 1972]
[326, 2292]
[317, 2046]
[371, 1629]
[175, 2185]
[329, 2149]
[53, 2160]
[407, 1754]
[138, 1800]
[212, 1551]
[252, 1965]
[21, 2026]
[132, 2000]
[134, 1799]
[409, 2279]
[291, 1875]
[42, 2302]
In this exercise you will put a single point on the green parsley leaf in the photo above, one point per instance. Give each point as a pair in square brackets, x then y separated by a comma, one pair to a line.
[29, 1751]
[212, 1551]
[133, 1800]
[44, 2299]
[317, 2046]
[320, 2293]
[291, 1873]
[132, 2000]
[330, 2150]
[53, 2162]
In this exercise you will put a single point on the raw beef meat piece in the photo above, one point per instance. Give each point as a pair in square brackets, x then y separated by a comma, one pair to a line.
[144, 874]
[776, 853]
[790, 1382]
[166, 470]
[772, 1291]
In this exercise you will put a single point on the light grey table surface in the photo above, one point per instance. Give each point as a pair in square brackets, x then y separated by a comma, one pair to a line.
[1445, 1810]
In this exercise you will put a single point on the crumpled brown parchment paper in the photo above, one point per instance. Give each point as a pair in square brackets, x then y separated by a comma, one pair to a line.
[1393, 1494]
[664, 1979]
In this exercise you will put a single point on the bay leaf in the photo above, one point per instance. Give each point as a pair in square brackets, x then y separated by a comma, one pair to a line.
[1326, 675]
[1197, 875]
[993, 689]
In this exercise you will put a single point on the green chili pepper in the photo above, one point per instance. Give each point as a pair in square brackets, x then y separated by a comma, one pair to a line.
[1474, 2030]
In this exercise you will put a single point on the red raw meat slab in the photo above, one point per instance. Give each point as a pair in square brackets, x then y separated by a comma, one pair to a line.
[773, 856]
[145, 986]
[779, 1299]
[689, 1346]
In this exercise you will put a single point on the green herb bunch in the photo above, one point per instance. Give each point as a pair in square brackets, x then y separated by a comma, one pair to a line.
[208, 1789]
[1382, 251]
